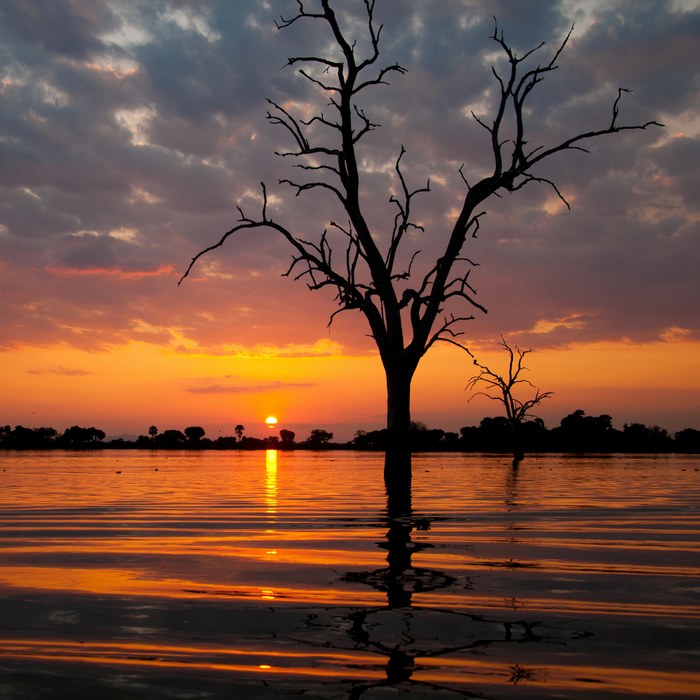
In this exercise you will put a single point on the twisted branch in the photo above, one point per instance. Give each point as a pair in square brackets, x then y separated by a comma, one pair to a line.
[517, 410]
[364, 276]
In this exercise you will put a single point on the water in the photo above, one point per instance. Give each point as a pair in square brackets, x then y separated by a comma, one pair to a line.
[280, 575]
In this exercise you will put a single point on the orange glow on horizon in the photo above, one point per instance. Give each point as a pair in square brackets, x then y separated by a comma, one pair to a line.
[127, 388]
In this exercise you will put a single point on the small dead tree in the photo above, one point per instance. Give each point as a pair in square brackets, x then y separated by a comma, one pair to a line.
[404, 307]
[501, 388]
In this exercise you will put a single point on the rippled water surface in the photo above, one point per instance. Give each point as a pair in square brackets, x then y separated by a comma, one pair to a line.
[282, 575]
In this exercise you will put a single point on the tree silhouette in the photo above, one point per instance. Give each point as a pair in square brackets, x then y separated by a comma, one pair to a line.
[153, 431]
[501, 388]
[239, 431]
[318, 438]
[170, 439]
[687, 440]
[637, 437]
[75, 436]
[22, 438]
[578, 432]
[406, 308]
[194, 433]
[287, 437]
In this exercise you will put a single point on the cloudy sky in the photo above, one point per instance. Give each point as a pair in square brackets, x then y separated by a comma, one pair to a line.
[131, 129]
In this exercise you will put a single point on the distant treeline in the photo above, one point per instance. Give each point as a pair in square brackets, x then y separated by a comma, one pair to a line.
[576, 432]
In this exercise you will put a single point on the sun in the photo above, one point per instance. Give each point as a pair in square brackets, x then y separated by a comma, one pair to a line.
[270, 421]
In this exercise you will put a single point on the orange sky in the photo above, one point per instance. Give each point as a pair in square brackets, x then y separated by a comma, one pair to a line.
[128, 139]
[126, 389]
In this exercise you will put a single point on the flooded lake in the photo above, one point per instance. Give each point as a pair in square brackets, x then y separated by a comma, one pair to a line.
[130, 574]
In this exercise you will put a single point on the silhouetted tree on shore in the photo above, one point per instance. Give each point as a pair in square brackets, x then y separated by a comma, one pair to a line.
[577, 432]
[76, 436]
[287, 438]
[318, 438]
[195, 433]
[420, 439]
[22, 438]
[501, 388]
[637, 437]
[494, 434]
[406, 308]
[171, 439]
[687, 440]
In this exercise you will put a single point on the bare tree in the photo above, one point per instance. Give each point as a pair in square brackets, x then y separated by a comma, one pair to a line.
[405, 309]
[501, 388]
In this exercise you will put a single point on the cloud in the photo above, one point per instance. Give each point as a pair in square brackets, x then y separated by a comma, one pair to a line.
[35, 25]
[130, 131]
[60, 371]
[547, 326]
[674, 333]
[247, 389]
[321, 348]
[110, 272]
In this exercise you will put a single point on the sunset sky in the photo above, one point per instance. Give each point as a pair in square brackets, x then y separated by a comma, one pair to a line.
[131, 129]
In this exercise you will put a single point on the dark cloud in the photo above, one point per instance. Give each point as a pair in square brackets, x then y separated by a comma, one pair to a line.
[62, 28]
[129, 131]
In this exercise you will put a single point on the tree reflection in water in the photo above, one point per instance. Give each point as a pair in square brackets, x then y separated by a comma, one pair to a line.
[402, 631]
[400, 579]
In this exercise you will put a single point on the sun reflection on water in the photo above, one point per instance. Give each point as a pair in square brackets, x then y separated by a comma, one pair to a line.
[301, 569]
[271, 483]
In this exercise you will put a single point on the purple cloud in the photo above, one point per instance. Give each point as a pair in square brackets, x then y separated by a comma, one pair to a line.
[129, 132]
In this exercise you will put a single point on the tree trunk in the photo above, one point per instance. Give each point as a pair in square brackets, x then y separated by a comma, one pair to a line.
[518, 450]
[397, 461]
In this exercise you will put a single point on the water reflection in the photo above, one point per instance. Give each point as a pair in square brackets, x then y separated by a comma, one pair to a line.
[406, 633]
[229, 569]
[512, 489]
[401, 579]
[271, 483]
[268, 593]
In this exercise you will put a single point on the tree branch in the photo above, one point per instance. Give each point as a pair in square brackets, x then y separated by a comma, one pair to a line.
[402, 220]
[517, 410]
[365, 272]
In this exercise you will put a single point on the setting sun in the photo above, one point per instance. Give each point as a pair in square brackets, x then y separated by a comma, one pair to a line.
[270, 421]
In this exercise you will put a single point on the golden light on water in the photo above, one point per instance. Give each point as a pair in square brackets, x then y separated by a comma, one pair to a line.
[281, 555]
[270, 482]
